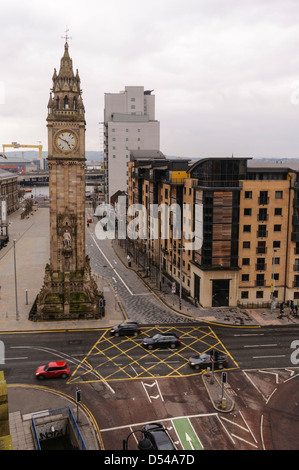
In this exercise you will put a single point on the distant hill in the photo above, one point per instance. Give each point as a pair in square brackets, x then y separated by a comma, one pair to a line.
[33, 155]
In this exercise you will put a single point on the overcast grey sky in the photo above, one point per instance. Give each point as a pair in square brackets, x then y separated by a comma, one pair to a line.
[225, 73]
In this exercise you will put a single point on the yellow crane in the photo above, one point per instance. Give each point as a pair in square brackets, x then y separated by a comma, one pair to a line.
[16, 146]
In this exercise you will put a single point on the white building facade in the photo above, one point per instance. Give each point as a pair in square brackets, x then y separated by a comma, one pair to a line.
[129, 124]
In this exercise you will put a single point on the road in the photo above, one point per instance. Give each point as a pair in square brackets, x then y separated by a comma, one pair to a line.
[124, 357]
[266, 347]
[137, 301]
[125, 386]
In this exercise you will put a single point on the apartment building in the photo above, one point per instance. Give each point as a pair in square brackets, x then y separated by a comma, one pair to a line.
[244, 220]
[129, 124]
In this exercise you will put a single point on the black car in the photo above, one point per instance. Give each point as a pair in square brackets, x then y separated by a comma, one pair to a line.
[202, 361]
[161, 340]
[158, 436]
[126, 328]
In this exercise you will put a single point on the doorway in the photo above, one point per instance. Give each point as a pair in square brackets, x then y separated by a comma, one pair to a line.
[220, 293]
[197, 288]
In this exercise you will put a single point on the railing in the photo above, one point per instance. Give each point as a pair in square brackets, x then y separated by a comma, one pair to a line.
[261, 267]
[262, 233]
[40, 419]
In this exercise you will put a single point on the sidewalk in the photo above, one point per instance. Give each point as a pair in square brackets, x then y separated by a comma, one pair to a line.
[233, 316]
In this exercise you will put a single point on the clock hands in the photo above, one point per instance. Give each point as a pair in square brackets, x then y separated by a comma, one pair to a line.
[63, 140]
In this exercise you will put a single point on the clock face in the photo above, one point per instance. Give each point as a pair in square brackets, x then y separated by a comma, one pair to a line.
[66, 141]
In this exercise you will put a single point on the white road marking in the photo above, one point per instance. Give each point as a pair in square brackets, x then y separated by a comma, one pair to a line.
[261, 357]
[68, 358]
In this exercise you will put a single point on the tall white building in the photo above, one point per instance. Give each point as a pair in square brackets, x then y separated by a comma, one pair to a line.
[129, 124]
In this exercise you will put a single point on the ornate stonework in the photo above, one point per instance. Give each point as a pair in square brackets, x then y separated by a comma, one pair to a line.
[69, 290]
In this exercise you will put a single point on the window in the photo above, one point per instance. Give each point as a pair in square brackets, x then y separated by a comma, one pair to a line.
[248, 195]
[260, 280]
[278, 211]
[245, 277]
[261, 247]
[262, 231]
[246, 228]
[277, 228]
[260, 264]
[245, 261]
[263, 199]
[260, 294]
[244, 294]
[246, 244]
[262, 214]
[278, 194]
[247, 211]
[276, 244]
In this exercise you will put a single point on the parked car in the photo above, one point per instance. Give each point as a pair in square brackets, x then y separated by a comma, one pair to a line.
[158, 436]
[126, 328]
[202, 361]
[52, 370]
[161, 340]
[89, 221]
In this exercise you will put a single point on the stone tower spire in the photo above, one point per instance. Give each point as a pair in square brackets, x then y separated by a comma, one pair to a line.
[69, 290]
[66, 93]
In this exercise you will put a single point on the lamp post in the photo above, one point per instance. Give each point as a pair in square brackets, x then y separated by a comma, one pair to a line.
[273, 284]
[181, 274]
[16, 288]
[143, 444]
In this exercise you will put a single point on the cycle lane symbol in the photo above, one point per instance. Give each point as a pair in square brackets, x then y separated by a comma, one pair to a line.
[188, 437]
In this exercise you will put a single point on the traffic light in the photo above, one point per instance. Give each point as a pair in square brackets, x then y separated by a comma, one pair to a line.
[224, 377]
[78, 396]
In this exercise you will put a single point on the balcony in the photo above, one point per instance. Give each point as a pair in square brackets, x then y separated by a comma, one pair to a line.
[261, 250]
[263, 200]
[262, 217]
[261, 267]
[262, 233]
[260, 282]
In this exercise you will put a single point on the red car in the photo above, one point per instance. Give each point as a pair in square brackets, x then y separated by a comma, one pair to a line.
[53, 369]
[89, 221]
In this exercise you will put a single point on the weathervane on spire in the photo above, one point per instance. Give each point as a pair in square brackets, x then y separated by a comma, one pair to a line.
[66, 37]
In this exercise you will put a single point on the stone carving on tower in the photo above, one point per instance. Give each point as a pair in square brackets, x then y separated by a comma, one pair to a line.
[69, 290]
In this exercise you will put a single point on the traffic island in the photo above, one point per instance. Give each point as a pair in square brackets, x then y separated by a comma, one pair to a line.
[215, 383]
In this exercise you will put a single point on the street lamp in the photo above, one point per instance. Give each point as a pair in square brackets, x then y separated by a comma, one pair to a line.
[181, 274]
[16, 289]
[143, 444]
[273, 284]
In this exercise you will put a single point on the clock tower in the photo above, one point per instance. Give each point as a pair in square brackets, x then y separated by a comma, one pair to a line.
[69, 291]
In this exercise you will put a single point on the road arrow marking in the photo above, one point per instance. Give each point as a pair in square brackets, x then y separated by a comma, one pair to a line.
[189, 440]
